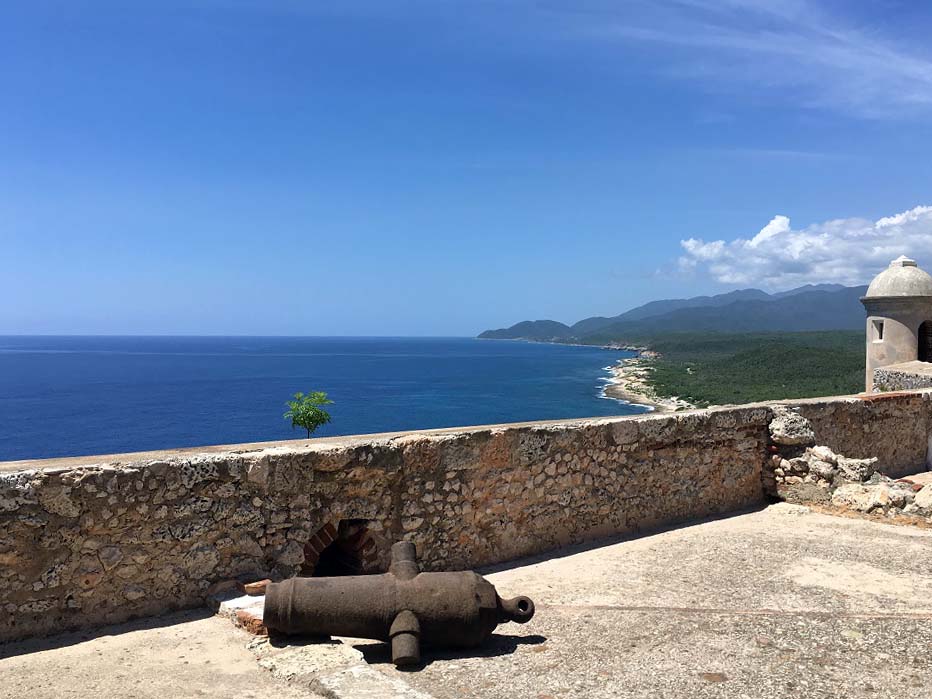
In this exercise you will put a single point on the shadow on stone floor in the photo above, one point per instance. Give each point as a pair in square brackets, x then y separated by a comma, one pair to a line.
[572, 549]
[498, 644]
[279, 640]
[35, 645]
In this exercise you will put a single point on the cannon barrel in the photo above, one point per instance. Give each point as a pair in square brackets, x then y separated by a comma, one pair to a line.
[404, 606]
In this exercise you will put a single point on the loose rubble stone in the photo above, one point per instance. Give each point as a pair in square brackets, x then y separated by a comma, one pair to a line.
[817, 474]
[789, 428]
[823, 470]
[853, 495]
[923, 498]
[251, 623]
[856, 469]
[879, 496]
[823, 454]
[900, 496]
[256, 588]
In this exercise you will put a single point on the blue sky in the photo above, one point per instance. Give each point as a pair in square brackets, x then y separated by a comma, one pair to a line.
[437, 168]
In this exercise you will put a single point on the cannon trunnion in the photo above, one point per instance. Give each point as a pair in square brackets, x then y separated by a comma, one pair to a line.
[404, 606]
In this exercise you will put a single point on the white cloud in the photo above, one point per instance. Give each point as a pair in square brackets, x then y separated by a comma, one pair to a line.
[798, 50]
[846, 251]
[777, 225]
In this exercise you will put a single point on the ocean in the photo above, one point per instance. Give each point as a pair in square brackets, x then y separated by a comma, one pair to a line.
[70, 396]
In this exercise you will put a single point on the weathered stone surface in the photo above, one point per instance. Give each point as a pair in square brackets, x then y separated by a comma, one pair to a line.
[895, 427]
[58, 501]
[906, 376]
[110, 557]
[879, 497]
[17, 489]
[820, 475]
[101, 542]
[853, 495]
[886, 496]
[625, 432]
[822, 453]
[899, 496]
[248, 621]
[797, 472]
[789, 428]
[87, 542]
[798, 466]
[256, 588]
[807, 493]
[856, 469]
[817, 473]
[923, 498]
[224, 588]
[821, 607]
[823, 470]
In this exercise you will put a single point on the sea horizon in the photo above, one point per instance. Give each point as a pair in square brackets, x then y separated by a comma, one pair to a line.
[235, 335]
[78, 395]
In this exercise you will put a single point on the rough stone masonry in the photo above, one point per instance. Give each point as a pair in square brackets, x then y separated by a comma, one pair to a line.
[101, 539]
[801, 471]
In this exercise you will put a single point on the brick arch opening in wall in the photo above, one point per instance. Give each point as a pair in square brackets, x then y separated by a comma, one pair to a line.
[341, 547]
[925, 342]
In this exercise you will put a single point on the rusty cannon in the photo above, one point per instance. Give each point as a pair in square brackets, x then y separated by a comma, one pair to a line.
[405, 607]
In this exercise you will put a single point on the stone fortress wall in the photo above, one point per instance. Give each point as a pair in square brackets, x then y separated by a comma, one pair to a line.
[98, 540]
[903, 377]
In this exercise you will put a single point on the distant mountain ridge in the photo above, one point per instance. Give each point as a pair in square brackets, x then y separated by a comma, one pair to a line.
[656, 308]
[810, 307]
[811, 287]
[530, 330]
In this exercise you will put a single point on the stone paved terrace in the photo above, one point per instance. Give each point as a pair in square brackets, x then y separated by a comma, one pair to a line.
[780, 602]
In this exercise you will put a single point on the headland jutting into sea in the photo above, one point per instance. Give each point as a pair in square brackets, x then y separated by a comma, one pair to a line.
[631, 382]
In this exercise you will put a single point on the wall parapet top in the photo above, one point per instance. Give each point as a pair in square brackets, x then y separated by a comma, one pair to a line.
[393, 439]
[97, 539]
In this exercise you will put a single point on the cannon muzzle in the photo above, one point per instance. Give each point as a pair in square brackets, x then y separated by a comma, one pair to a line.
[404, 606]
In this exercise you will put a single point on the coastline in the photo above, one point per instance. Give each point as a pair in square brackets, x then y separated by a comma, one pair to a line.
[630, 382]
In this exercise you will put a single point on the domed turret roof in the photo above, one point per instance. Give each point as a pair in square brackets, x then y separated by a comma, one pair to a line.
[902, 278]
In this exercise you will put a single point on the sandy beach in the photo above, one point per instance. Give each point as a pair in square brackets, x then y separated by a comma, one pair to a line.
[631, 382]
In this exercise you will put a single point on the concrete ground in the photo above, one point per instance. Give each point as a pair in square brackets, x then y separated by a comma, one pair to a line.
[188, 654]
[782, 602]
[776, 603]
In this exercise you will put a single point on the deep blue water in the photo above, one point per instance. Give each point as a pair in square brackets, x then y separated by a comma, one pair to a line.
[63, 396]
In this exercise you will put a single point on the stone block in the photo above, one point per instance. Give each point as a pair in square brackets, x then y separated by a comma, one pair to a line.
[625, 432]
[789, 428]
[923, 499]
[254, 589]
[853, 495]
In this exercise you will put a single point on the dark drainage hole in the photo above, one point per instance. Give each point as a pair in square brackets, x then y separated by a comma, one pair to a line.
[336, 560]
[350, 551]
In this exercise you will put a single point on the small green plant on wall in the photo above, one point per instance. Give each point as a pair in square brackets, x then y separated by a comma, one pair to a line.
[305, 411]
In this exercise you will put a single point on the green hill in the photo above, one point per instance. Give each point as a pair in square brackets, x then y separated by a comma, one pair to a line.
[720, 368]
[541, 330]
